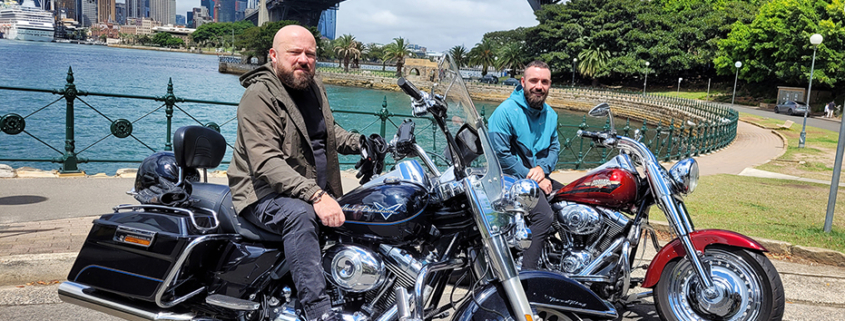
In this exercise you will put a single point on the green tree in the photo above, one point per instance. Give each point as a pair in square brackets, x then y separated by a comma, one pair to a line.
[776, 45]
[592, 61]
[325, 49]
[219, 33]
[397, 51]
[346, 48]
[460, 55]
[257, 41]
[511, 56]
[483, 54]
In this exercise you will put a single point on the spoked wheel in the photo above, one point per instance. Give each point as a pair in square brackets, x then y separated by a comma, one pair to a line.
[749, 288]
[547, 314]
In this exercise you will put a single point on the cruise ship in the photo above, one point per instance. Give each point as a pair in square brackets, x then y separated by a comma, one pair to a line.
[25, 22]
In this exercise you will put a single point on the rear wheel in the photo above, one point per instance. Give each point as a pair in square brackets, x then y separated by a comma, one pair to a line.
[789, 112]
[754, 284]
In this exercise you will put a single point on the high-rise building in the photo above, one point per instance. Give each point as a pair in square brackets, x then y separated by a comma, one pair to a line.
[240, 8]
[190, 22]
[68, 6]
[328, 23]
[134, 8]
[180, 20]
[163, 11]
[226, 11]
[120, 13]
[200, 16]
[209, 4]
[105, 11]
[87, 13]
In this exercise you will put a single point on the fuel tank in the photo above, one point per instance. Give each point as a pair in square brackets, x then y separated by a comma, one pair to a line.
[608, 187]
[389, 208]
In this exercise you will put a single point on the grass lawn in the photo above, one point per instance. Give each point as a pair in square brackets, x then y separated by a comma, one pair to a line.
[768, 208]
[700, 95]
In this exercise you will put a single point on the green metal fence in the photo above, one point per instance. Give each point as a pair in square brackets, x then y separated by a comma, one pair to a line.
[716, 127]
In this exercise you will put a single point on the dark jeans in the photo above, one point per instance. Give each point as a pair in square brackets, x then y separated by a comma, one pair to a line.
[541, 219]
[296, 221]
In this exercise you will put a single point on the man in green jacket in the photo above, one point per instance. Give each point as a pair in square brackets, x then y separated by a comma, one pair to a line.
[285, 168]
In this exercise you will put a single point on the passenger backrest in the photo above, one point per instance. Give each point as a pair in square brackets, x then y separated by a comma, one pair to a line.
[198, 147]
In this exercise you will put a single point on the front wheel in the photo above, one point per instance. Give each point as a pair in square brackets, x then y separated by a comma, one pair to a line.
[777, 111]
[756, 291]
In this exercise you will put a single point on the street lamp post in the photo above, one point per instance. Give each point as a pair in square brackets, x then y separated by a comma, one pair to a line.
[679, 87]
[738, 65]
[815, 40]
[645, 83]
[574, 60]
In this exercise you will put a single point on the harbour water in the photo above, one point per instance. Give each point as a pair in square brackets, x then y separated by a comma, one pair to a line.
[144, 72]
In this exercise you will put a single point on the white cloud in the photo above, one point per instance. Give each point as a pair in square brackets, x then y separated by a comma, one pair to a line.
[435, 24]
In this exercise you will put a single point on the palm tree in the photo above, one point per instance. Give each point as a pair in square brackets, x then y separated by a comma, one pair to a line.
[511, 56]
[591, 61]
[483, 54]
[459, 54]
[325, 49]
[355, 60]
[397, 50]
[346, 48]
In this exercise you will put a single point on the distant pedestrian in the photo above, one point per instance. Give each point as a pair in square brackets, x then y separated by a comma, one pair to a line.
[828, 109]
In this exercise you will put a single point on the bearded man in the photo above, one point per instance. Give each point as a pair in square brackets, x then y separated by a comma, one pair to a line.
[285, 169]
[523, 131]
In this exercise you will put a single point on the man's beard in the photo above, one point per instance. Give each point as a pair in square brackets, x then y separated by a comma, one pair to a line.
[536, 102]
[291, 80]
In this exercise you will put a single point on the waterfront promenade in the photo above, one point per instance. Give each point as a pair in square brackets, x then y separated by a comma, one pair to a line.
[43, 222]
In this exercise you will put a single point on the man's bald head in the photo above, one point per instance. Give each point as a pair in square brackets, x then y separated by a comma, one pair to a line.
[294, 56]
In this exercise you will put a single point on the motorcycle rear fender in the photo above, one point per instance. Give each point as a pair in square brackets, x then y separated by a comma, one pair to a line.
[543, 289]
[700, 240]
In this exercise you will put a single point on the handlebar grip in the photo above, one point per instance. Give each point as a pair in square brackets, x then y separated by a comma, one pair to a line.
[588, 134]
[409, 88]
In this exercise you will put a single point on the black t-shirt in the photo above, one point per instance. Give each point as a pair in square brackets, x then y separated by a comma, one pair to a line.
[308, 105]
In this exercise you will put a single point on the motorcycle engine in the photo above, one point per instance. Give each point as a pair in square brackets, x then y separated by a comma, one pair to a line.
[363, 279]
[585, 232]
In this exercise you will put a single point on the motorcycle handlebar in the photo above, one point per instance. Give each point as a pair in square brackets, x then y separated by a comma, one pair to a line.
[409, 89]
[606, 139]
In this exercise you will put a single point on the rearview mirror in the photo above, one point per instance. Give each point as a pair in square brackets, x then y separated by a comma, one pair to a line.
[601, 110]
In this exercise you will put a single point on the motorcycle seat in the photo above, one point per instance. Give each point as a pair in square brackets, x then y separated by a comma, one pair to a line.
[202, 148]
[219, 199]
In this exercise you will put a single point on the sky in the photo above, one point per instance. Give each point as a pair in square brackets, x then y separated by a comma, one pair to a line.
[435, 24]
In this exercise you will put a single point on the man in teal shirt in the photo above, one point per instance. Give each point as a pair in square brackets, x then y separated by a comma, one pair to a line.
[523, 131]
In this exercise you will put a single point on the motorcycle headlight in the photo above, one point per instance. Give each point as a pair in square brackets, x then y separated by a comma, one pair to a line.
[684, 175]
[523, 195]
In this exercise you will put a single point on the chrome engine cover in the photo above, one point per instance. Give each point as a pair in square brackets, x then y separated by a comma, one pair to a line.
[578, 219]
[574, 261]
[353, 268]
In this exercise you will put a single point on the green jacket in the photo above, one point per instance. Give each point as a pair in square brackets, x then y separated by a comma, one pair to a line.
[273, 151]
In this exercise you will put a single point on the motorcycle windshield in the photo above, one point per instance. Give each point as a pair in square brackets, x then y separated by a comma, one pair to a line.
[451, 87]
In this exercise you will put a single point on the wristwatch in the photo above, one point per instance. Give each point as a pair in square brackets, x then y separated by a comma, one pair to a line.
[317, 197]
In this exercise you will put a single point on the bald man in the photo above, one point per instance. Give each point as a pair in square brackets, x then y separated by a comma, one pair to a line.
[284, 168]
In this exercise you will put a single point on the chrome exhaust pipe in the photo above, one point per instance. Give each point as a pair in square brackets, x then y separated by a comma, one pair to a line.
[81, 295]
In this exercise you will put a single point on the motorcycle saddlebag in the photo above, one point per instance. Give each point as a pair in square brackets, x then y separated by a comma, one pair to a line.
[131, 253]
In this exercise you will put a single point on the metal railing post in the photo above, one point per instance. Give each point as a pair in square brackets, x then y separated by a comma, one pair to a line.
[169, 102]
[383, 114]
[69, 160]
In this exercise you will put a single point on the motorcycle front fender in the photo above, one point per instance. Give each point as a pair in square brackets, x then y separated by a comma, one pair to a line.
[700, 240]
[545, 290]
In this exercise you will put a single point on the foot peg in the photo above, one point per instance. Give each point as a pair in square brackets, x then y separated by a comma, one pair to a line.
[228, 302]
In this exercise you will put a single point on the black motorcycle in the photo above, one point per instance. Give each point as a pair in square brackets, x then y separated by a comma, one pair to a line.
[408, 234]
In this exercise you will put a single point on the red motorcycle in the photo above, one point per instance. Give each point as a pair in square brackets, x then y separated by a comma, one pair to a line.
[600, 219]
